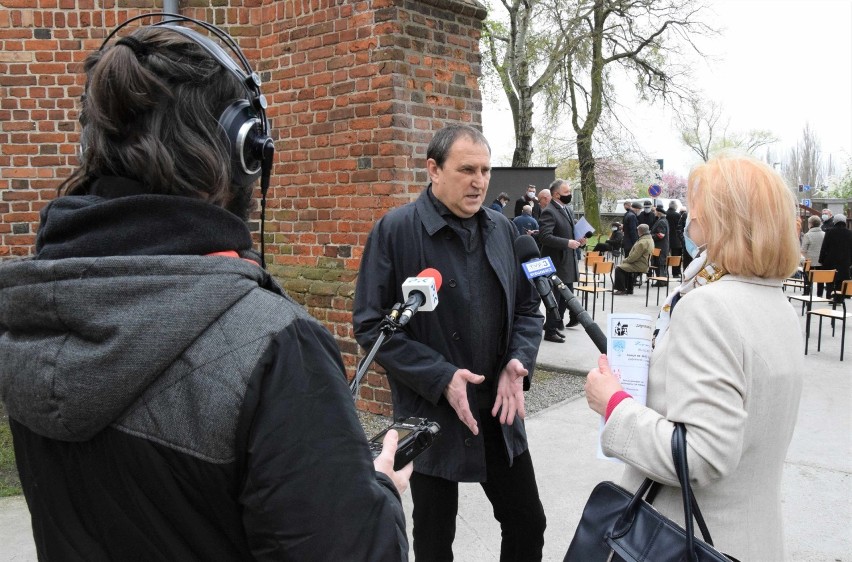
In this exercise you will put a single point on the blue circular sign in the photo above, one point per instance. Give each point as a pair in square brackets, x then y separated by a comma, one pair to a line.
[655, 190]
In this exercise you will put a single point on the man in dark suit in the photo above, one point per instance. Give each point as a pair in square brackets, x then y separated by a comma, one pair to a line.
[631, 235]
[660, 235]
[675, 243]
[559, 242]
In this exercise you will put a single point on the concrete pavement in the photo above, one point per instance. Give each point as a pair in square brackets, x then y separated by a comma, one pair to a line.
[817, 484]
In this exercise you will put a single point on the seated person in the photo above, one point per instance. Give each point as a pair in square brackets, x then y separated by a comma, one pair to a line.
[635, 262]
[525, 223]
[616, 239]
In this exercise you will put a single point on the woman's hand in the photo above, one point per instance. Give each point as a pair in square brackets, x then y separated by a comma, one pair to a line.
[601, 384]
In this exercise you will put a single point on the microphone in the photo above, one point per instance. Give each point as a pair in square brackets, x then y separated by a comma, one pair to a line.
[420, 293]
[593, 330]
[536, 269]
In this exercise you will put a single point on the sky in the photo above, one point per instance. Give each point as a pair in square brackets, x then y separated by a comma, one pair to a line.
[776, 65]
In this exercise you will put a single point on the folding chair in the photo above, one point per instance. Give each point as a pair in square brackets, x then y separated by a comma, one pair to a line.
[591, 259]
[655, 256]
[814, 276]
[834, 314]
[599, 272]
[798, 282]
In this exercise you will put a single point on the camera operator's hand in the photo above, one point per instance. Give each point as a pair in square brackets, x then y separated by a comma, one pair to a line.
[456, 394]
[510, 392]
[384, 462]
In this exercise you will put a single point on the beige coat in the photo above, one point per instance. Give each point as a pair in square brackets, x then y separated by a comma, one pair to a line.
[730, 368]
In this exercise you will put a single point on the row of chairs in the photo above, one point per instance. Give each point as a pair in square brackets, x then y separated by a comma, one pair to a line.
[812, 277]
[593, 280]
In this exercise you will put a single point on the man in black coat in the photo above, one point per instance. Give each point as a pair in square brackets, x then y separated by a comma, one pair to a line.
[681, 227]
[559, 242]
[530, 199]
[631, 235]
[647, 216]
[660, 235]
[836, 252]
[675, 244]
[466, 364]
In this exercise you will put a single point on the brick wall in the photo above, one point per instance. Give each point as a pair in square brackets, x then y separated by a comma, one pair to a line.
[356, 89]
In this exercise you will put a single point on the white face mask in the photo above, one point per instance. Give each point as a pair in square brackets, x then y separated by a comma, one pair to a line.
[530, 194]
[825, 218]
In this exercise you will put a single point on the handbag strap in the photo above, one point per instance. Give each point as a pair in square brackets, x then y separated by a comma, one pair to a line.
[690, 504]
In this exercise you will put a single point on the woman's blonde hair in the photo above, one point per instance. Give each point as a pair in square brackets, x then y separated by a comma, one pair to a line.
[747, 214]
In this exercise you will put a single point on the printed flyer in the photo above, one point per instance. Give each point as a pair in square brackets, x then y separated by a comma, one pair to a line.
[628, 348]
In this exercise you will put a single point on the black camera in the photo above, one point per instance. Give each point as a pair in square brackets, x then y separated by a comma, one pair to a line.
[415, 436]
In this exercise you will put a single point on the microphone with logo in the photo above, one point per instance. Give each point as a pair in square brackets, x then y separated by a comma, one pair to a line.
[536, 269]
[420, 293]
[527, 251]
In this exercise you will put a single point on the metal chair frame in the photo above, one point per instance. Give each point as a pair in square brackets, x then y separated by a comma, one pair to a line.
[834, 315]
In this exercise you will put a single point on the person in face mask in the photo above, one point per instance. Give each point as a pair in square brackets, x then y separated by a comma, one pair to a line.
[530, 199]
[647, 216]
[559, 242]
[827, 219]
[501, 201]
[727, 363]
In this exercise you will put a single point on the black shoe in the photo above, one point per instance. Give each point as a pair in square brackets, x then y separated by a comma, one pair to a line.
[554, 337]
[573, 322]
[559, 333]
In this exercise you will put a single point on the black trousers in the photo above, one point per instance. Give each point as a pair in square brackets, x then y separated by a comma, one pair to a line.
[676, 252]
[513, 494]
[551, 320]
[622, 280]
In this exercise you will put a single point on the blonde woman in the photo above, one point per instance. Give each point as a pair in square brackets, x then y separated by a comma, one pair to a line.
[727, 363]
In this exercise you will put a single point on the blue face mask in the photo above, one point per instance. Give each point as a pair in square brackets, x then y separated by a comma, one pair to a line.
[691, 247]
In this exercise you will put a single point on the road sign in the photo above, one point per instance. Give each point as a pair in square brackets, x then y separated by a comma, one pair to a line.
[655, 190]
[807, 188]
[806, 202]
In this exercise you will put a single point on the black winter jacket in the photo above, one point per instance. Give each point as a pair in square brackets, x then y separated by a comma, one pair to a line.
[175, 406]
[421, 359]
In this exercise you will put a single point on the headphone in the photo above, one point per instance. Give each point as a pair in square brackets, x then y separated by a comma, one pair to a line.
[243, 123]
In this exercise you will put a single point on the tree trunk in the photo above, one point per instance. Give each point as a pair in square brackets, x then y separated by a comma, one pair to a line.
[523, 132]
[588, 184]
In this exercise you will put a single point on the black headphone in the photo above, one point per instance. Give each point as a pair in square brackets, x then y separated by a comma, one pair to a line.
[244, 122]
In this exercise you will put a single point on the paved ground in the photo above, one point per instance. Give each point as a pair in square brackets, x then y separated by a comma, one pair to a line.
[817, 485]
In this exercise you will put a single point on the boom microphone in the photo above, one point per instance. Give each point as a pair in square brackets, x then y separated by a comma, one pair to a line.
[536, 269]
[593, 330]
[421, 293]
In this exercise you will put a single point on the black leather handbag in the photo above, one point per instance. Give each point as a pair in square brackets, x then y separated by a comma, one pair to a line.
[619, 526]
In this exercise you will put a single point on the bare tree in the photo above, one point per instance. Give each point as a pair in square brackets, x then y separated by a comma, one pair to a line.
[804, 163]
[699, 126]
[526, 59]
[644, 38]
[704, 131]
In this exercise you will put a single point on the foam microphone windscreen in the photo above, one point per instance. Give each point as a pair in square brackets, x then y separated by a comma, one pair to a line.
[526, 249]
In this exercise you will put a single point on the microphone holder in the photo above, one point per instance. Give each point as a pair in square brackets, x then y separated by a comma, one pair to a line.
[388, 326]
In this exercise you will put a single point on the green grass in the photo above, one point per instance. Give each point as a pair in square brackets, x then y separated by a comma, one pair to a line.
[10, 484]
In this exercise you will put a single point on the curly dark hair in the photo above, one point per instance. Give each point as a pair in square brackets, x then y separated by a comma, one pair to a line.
[151, 115]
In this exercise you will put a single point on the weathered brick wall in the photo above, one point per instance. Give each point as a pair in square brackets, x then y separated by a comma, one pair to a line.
[356, 89]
